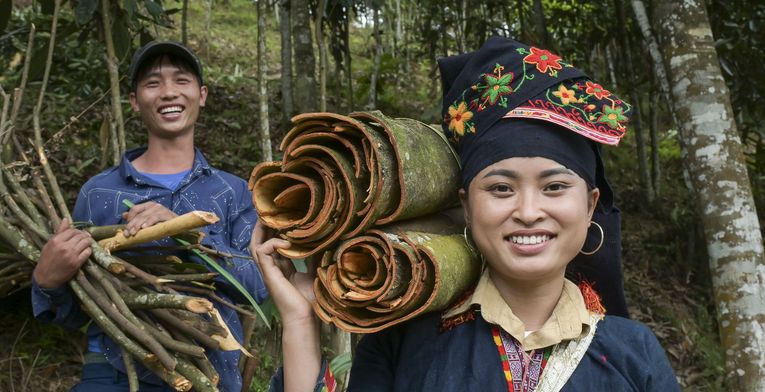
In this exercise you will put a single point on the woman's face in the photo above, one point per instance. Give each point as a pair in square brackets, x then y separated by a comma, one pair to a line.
[529, 217]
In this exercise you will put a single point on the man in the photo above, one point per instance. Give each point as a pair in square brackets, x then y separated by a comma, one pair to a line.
[167, 178]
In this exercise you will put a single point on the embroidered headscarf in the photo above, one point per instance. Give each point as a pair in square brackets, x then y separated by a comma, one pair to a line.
[513, 100]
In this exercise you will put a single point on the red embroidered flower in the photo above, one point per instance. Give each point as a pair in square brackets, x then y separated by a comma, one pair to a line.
[596, 90]
[543, 59]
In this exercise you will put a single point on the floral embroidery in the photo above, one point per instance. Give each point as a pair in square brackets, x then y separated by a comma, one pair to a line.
[612, 116]
[544, 60]
[496, 87]
[596, 90]
[459, 119]
[565, 95]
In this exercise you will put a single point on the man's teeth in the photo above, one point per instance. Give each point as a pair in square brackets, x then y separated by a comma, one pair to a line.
[171, 109]
[529, 240]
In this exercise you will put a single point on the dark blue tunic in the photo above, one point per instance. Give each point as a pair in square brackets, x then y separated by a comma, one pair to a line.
[624, 356]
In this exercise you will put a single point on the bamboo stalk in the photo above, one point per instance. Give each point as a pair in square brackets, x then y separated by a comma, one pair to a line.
[180, 224]
[125, 324]
[157, 300]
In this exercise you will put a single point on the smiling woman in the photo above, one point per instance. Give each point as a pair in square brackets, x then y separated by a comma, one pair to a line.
[527, 127]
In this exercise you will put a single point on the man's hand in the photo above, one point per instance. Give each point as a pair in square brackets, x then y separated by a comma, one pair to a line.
[144, 215]
[62, 256]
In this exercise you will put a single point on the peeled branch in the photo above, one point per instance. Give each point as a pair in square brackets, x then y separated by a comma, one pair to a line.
[177, 225]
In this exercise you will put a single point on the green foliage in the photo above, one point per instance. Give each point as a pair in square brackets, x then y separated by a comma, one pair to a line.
[84, 11]
[6, 6]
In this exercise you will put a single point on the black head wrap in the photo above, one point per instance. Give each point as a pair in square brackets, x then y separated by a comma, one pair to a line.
[511, 100]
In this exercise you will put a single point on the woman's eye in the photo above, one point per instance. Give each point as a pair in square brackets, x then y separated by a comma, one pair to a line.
[555, 187]
[501, 188]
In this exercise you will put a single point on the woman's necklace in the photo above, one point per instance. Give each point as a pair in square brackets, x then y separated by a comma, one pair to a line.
[522, 370]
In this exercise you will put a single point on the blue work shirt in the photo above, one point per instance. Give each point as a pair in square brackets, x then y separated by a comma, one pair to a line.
[204, 188]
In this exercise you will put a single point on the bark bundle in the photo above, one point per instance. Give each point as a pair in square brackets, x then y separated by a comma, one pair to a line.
[392, 274]
[357, 194]
[341, 175]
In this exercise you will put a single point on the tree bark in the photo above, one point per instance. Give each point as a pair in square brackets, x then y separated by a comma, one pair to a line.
[285, 27]
[265, 132]
[540, 24]
[305, 66]
[322, 55]
[716, 165]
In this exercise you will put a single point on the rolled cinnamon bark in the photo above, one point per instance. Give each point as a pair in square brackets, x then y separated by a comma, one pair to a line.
[341, 175]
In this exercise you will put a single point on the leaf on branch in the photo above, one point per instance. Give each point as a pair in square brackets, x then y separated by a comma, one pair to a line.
[131, 7]
[155, 9]
[84, 11]
[121, 37]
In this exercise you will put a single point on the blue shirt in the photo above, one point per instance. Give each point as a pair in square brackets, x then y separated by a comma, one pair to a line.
[169, 181]
[203, 188]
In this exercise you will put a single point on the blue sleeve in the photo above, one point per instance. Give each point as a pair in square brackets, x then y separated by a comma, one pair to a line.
[661, 376]
[58, 305]
[240, 223]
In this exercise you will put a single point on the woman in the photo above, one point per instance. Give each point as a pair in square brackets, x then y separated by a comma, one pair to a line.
[525, 124]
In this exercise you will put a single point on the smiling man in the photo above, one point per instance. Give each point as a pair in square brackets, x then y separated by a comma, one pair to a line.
[168, 177]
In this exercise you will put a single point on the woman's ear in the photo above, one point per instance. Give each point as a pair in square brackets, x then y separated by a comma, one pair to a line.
[465, 205]
[592, 201]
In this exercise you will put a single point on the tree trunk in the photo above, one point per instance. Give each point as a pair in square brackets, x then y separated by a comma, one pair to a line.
[540, 24]
[716, 165]
[305, 66]
[184, 22]
[286, 80]
[347, 52]
[322, 55]
[265, 132]
[376, 65]
[114, 78]
[626, 55]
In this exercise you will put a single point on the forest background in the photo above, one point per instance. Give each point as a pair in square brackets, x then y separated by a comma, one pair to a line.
[268, 60]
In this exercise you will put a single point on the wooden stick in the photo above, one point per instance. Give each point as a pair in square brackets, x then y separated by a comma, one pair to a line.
[100, 232]
[127, 325]
[198, 379]
[106, 260]
[57, 195]
[213, 296]
[190, 277]
[19, 93]
[157, 300]
[180, 224]
[171, 321]
[130, 369]
[149, 360]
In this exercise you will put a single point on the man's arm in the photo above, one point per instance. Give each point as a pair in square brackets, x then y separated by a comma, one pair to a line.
[60, 259]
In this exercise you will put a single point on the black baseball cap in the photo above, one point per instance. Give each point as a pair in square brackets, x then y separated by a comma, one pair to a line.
[155, 48]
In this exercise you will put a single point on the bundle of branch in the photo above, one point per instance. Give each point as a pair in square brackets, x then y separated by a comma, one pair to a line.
[341, 175]
[394, 273]
[142, 302]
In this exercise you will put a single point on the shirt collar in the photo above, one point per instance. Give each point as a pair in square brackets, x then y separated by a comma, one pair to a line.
[570, 318]
[129, 172]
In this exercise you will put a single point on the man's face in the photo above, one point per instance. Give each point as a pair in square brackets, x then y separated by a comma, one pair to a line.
[168, 99]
